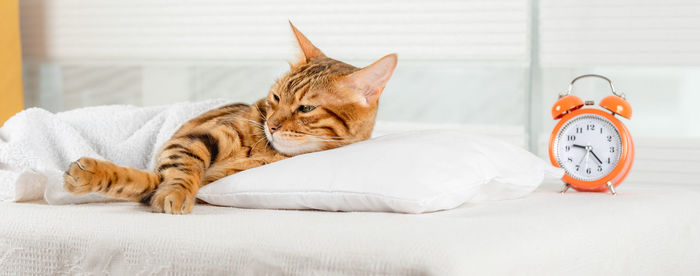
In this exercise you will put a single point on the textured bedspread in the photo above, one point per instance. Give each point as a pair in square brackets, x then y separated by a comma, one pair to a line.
[642, 230]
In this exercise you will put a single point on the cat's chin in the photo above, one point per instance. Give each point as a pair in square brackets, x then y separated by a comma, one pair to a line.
[291, 144]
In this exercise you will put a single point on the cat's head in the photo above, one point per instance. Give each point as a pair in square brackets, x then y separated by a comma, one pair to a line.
[322, 103]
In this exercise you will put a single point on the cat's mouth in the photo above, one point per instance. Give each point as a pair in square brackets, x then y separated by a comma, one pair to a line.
[292, 143]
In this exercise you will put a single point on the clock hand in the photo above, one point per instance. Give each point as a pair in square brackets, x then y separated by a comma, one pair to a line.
[579, 146]
[596, 157]
[584, 158]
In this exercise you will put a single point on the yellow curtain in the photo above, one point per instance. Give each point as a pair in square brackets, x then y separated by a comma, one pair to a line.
[10, 61]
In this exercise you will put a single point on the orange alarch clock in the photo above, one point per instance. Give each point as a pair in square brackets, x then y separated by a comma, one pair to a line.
[592, 145]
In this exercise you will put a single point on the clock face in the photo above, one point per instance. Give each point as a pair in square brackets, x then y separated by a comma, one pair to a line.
[588, 147]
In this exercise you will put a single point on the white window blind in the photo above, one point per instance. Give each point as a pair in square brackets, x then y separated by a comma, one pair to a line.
[623, 32]
[666, 160]
[133, 30]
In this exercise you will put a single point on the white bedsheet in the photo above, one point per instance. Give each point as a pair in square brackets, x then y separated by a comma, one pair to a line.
[644, 230]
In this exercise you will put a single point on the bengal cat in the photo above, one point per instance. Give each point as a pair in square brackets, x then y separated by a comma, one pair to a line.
[319, 104]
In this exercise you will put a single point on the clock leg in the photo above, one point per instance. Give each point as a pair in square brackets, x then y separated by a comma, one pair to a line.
[565, 188]
[611, 188]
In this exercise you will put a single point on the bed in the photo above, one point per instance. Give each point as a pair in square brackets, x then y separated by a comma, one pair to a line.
[645, 229]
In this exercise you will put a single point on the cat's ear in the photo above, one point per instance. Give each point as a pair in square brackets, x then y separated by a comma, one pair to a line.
[369, 82]
[308, 50]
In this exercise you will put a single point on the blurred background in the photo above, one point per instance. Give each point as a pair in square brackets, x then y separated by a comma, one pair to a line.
[490, 66]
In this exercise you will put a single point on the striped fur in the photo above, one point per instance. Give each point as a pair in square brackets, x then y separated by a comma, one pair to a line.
[321, 103]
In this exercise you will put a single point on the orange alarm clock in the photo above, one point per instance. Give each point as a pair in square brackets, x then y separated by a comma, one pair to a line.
[592, 145]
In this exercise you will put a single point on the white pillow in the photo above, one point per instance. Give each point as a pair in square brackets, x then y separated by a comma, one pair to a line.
[413, 172]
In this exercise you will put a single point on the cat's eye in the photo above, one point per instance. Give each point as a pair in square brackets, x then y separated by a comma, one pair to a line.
[277, 99]
[306, 108]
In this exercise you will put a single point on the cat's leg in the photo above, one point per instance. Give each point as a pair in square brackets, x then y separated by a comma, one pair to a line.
[88, 175]
[176, 194]
[192, 161]
[181, 165]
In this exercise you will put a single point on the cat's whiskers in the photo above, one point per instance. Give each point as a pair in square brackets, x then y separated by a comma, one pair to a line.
[256, 143]
[260, 113]
[249, 121]
[267, 143]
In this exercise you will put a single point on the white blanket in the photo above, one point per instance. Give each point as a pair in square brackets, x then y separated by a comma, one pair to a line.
[36, 146]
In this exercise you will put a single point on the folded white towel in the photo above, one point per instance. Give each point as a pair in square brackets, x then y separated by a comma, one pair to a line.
[36, 146]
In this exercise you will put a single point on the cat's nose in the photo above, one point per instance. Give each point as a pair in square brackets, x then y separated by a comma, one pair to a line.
[272, 126]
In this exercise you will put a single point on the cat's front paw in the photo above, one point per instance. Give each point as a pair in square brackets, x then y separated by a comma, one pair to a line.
[172, 200]
[81, 178]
